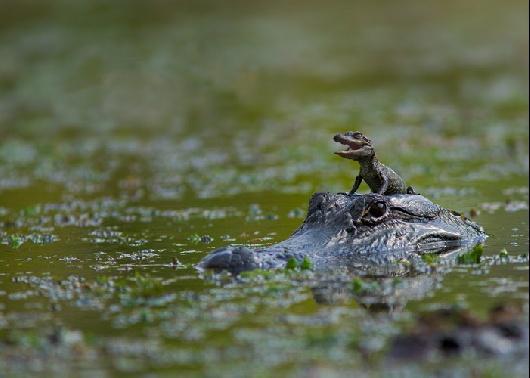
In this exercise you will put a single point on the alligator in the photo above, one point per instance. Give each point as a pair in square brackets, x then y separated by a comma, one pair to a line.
[362, 232]
[380, 178]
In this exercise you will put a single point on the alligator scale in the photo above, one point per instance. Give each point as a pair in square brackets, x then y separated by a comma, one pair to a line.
[365, 232]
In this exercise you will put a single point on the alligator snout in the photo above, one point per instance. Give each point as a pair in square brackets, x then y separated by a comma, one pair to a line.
[235, 259]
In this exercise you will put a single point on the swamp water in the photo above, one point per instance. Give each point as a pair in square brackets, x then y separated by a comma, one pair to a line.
[135, 139]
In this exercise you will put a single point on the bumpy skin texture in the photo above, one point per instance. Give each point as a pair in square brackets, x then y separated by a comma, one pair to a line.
[374, 173]
[361, 232]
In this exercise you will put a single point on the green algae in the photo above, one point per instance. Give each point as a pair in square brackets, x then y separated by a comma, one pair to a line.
[251, 274]
[430, 259]
[306, 264]
[136, 138]
[291, 264]
[472, 257]
[15, 241]
[294, 264]
[503, 253]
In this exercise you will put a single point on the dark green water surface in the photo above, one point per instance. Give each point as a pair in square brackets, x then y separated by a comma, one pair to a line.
[135, 137]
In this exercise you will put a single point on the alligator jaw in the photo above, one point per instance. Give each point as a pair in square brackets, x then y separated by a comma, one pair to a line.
[352, 145]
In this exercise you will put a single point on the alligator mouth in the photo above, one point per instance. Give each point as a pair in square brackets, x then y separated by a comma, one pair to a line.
[437, 241]
[352, 145]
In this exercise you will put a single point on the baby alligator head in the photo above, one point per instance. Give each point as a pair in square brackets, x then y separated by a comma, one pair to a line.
[359, 232]
[358, 147]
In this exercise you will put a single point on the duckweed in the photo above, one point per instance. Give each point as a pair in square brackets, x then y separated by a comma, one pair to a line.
[136, 139]
[430, 258]
[473, 256]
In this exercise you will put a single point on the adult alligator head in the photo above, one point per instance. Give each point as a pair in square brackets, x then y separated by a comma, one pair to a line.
[370, 233]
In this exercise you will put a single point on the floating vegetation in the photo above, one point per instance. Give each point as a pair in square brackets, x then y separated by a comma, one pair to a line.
[129, 153]
[251, 274]
[294, 264]
[430, 258]
[196, 238]
[306, 264]
[472, 257]
[17, 240]
[360, 285]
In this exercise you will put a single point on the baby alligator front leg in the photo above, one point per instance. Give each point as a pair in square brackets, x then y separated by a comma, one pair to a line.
[384, 186]
[356, 184]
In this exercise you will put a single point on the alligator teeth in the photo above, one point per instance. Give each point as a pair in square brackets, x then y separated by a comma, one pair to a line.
[345, 153]
[350, 145]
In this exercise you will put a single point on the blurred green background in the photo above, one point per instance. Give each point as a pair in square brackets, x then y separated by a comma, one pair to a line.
[129, 130]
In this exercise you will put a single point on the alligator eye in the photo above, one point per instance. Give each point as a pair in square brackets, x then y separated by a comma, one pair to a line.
[378, 209]
[357, 135]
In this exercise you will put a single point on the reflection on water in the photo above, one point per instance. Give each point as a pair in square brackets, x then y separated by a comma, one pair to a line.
[383, 294]
[136, 137]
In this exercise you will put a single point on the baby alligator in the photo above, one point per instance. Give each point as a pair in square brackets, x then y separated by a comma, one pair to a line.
[380, 178]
